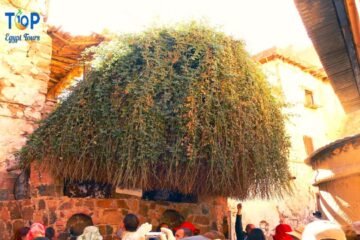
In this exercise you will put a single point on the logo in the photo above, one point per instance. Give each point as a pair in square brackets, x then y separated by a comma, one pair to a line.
[22, 22]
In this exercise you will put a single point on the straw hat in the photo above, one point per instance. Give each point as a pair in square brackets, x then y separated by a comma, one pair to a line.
[320, 229]
[297, 232]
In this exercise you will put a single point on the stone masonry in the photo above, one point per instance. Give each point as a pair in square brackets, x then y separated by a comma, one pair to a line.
[107, 214]
[24, 73]
[49, 207]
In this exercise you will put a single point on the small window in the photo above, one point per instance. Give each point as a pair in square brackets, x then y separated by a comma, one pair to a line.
[169, 196]
[309, 146]
[309, 99]
[84, 189]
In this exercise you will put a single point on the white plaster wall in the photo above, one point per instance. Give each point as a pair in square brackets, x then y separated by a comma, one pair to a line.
[323, 125]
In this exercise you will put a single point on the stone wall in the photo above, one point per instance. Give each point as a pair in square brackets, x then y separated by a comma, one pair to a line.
[105, 213]
[24, 73]
[322, 124]
[48, 206]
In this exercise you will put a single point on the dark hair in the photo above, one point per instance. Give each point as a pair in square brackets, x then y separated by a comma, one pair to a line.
[249, 227]
[187, 232]
[49, 233]
[256, 234]
[21, 232]
[158, 229]
[131, 222]
[196, 232]
[214, 235]
[317, 214]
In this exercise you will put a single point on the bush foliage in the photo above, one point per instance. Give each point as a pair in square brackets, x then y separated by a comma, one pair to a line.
[182, 109]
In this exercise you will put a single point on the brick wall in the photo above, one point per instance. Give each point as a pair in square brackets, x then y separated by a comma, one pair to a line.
[105, 213]
[48, 206]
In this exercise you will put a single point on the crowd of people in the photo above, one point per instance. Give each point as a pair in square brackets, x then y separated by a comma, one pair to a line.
[316, 230]
[130, 229]
[35, 231]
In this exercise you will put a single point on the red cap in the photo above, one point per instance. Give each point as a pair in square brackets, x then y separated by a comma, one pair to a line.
[281, 232]
[187, 225]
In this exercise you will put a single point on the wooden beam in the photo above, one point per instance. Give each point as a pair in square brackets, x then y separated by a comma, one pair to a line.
[273, 53]
[348, 37]
[64, 59]
[353, 9]
[328, 26]
[64, 82]
[59, 37]
[53, 80]
[87, 43]
[80, 42]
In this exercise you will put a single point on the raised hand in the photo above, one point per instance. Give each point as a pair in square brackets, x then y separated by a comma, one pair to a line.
[239, 208]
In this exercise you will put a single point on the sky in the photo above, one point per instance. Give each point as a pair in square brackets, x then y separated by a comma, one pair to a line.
[261, 24]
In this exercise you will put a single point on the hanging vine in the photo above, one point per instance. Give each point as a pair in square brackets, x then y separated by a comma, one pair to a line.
[181, 108]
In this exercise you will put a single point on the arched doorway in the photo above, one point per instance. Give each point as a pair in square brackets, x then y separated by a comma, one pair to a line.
[77, 222]
[172, 218]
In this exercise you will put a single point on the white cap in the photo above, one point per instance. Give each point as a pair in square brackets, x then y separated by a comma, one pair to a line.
[323, 229]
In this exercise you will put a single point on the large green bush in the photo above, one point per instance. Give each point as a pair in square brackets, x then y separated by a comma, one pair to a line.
[182, 109]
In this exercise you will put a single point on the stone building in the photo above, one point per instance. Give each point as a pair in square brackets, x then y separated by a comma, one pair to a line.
[324, 111]
[34, 73]
[315, 118]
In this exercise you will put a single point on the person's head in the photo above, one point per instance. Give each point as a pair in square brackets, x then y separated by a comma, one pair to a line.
[50, 233]
[187, 225]
[36, 230]
[317, 214]
[264, 225]
[162, 225]
[72, 233]
[249, 227]
[165, 225]
[21, 233]
[131, 222]
[183, 232]
[196, 232]
[282, 218]
[214, 235]
[256, 234]
[90, 233]
[281, 232]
